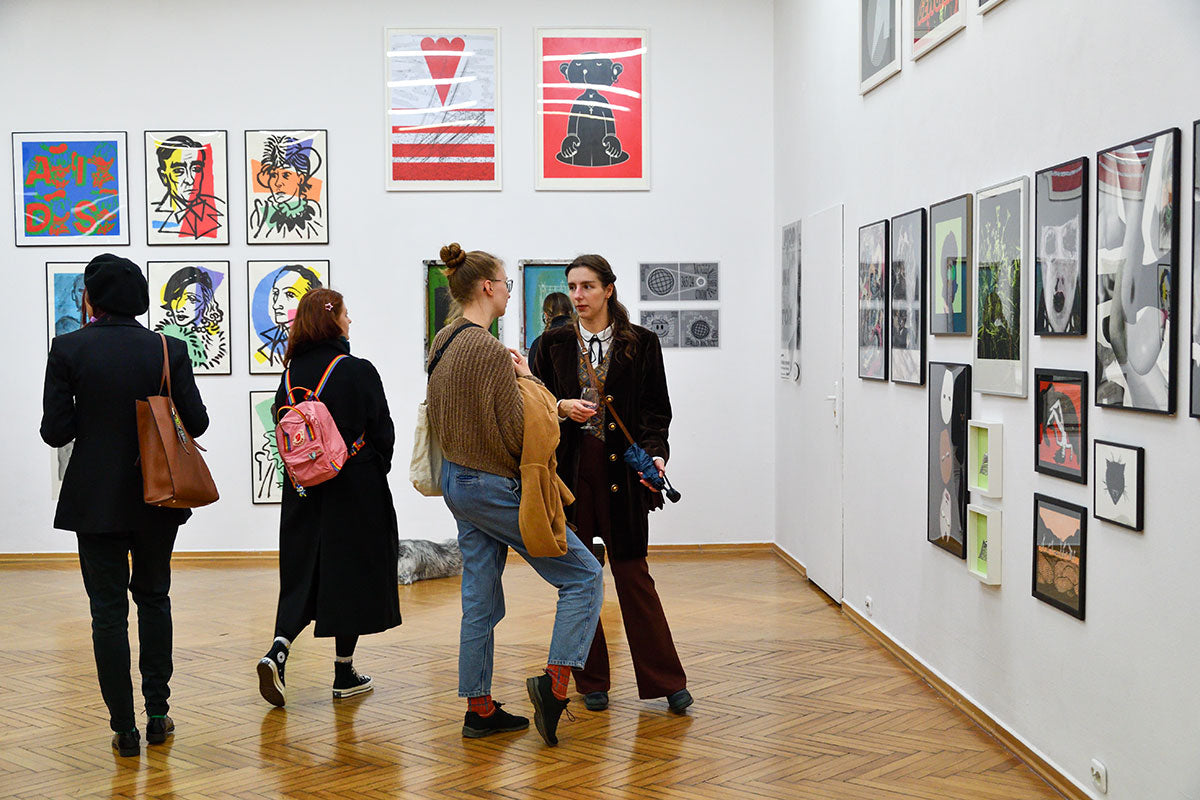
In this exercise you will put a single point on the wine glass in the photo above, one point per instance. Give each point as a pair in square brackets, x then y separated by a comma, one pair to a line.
[591, 395]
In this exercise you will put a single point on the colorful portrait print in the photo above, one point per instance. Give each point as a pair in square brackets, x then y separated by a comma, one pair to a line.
[1060, 424]
[872, 300]
[286, 181]
[949, 255]
[266, 467]
[1061, 249]
[592, 122]
[275, 289]
[1137, 273]
[189, 300]
[1060, 553]
[186, 187]
[70, 189]
[949, 412]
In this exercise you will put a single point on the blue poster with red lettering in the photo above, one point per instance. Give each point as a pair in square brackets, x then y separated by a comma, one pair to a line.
[70, 188]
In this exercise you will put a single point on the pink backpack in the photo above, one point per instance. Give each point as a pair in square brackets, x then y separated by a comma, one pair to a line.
[312, 449]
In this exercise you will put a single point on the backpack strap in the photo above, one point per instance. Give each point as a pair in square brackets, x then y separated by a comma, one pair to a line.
[328, 370]
[442, 350]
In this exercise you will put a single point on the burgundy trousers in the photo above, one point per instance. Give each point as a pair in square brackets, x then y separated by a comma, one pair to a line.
[655, 663]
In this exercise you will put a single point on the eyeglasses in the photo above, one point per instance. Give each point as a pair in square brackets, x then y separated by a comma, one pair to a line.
[508, 282]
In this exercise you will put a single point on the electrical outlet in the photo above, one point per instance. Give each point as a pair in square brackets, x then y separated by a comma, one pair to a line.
[867, 603]
[1099, 776]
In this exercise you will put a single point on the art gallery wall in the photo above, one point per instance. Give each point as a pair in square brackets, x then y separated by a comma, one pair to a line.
[238, 66]
[1025, 87]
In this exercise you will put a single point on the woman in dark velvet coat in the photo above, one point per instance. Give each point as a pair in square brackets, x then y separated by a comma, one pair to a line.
[338, 544]
[611, 502]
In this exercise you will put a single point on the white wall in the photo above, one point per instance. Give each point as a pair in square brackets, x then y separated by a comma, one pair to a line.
[1028, 86]
[238, 65]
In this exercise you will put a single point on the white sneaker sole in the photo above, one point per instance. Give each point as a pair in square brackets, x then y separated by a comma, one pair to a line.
[362, 688]
[270, 685]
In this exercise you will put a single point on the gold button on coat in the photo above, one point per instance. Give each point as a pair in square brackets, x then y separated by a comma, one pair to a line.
[612, 456]
[612, 426]
[613, 488]
[608, 399]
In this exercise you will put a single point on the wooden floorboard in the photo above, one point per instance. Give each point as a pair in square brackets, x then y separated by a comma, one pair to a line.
[793, 700]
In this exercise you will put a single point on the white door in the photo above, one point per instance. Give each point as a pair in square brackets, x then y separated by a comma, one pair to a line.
[818, 421]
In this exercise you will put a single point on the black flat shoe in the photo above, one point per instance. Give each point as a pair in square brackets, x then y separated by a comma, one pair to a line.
[127, 744]
[679, 701]
[546, 707]
[158, 729]
[500, 721]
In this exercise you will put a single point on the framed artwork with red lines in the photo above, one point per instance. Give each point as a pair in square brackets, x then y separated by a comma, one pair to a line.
[442, 109]
[592, 121]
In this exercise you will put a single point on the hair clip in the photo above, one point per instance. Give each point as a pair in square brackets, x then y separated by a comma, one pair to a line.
[329, 306]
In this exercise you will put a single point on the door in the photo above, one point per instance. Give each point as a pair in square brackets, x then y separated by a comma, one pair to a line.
[819, 436]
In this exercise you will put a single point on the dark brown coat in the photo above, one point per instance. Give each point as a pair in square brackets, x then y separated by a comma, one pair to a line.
[638, 388]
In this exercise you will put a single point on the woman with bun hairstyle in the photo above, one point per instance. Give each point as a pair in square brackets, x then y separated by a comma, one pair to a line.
[476, 409]
[610, 501]
[338, 544]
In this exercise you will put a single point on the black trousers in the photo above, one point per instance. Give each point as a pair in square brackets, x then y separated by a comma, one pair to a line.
[104, 559]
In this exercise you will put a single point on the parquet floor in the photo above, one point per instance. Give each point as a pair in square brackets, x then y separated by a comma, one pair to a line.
[792, 701]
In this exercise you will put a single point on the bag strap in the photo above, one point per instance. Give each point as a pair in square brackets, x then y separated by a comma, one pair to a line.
[442, 350]
[587, 360]
[328, 370]
[166, 373]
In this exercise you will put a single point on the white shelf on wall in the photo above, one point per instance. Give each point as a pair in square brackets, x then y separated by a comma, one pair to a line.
[985, 543]
[985, 458]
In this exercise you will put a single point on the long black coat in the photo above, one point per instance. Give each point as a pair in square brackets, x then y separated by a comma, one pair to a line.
[93, 377]
[638, 388]
[338, 545]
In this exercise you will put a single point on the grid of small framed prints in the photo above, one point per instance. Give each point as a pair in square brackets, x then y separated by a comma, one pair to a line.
[683, 296]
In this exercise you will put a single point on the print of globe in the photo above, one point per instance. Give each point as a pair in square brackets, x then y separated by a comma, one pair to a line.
[700, 329]
[660, 281]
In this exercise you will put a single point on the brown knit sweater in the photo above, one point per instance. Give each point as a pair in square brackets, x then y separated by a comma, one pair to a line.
[474, 403]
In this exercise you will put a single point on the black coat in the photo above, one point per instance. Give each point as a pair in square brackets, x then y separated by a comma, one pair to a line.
[557, 322]
[338, 545]
[638, 388]
[93, 377]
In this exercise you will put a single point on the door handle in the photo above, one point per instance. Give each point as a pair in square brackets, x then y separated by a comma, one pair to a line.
[832, 397]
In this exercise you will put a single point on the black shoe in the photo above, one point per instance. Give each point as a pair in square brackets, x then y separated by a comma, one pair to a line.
[158, 729]
[596, 701]
[500, 721]
[270, 674]
[128, 743]
[598, 550]
[546, 707]
[679, 701]
[347, 682]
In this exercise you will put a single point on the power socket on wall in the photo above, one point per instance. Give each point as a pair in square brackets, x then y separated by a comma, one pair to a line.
[1099, 776]
[867, 604]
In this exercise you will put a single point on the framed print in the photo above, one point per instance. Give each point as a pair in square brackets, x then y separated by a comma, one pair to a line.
[71, 189]
[439, 308]
[287, 187]
[699, 327]
[1060, 424]
[1195, 346]
[987, 5]
[933, 22]
[985, 458]
[949, 411]
[1059, 553]
[878, 42]
[789, 304]
[1001, 241]
[664, 324]
[985, 540]
[949, 256]
[906, 274]
[266, 467]
[1137, 272]
[442, 109]
[592, 122]
[872, 301]
[274, 289]
[189, 300]
[1060, 249]
[1119, 488]
[539, 279]
[680, 282]
[64, 298]
[187, 187]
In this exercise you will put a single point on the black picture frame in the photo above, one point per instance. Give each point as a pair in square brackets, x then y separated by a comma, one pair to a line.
[873, 301]
[249, 210]
[957, 212]
[1194, 361]
[1060, 564]
[264, 464]
[148, 201]
[949, 412]
[1155, 386]
[1108, 483]
[900, 316]
[1062, 454]
[1071, 180]
[222, 319]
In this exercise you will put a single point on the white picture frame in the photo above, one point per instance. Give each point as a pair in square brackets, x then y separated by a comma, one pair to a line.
[985, 440]
[877, 34]
[922, 44]
[187, 187]
[985, 543]
[1003, 376]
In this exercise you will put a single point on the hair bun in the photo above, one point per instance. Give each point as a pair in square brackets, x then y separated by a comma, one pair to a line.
[453, 255]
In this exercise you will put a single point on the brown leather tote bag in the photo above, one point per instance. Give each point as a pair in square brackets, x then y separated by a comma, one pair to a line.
[174, 474]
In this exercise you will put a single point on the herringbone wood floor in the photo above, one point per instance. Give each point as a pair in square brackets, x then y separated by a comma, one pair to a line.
[792, 701]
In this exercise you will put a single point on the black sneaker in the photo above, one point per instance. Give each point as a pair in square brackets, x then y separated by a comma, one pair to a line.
[546, 707]
[347, 682]
[500, 721]
[595, 701]
[158, 729]
[128, 743]
[270, 674]
[679, 701]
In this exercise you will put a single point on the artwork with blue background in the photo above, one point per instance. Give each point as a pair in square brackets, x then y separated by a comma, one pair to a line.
[275, 289]
[538, 279]
[70, 188]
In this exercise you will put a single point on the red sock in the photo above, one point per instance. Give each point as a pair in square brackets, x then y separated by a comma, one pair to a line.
[483, 705]
[560, 677]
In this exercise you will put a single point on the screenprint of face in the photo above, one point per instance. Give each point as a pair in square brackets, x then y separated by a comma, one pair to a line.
[187, 308]
[949, 268]
[183, 173]
[286, 292]
[1059, 247]
[285, 184]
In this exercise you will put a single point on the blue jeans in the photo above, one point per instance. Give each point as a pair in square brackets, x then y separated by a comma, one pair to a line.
[486, 506]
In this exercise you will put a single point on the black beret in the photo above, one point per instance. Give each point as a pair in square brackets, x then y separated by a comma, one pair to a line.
[116, 285]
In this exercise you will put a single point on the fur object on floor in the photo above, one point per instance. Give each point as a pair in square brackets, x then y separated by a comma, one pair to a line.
[421, 559]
